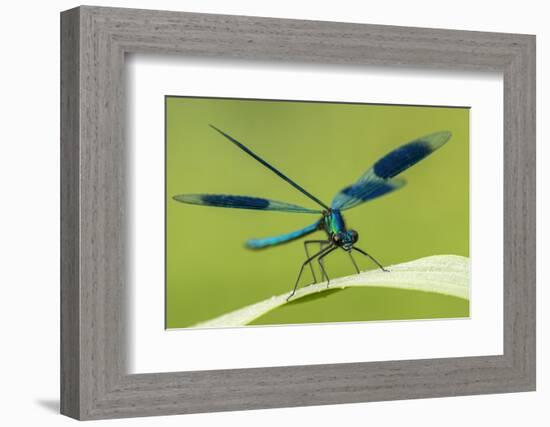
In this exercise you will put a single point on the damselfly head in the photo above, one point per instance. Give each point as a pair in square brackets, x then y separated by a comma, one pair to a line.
[345, 239]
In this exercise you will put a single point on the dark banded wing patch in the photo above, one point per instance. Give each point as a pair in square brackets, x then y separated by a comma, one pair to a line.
[363, 191]
[241, 202]
[377, 180]
[409, 154]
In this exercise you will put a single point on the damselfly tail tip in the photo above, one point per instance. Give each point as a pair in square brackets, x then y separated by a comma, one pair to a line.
[250, 244]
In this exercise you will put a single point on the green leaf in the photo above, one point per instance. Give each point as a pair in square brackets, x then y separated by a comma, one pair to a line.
[442, 274]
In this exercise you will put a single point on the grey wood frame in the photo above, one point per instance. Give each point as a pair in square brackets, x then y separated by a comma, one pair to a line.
[94, 382]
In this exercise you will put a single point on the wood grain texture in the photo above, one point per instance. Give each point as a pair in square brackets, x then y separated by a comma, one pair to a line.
[94, 380]
[70, 221]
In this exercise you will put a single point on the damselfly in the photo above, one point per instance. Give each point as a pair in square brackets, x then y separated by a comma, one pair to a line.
[377, 181]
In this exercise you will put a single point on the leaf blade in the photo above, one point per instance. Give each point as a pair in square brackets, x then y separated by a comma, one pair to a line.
[442, 274]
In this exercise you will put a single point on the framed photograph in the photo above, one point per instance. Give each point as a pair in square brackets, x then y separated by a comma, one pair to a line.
[263, 213]
[320, 142]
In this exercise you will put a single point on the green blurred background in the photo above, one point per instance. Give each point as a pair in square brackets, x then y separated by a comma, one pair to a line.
[324, 147]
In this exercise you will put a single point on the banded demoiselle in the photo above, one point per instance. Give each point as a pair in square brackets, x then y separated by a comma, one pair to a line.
[377, 181]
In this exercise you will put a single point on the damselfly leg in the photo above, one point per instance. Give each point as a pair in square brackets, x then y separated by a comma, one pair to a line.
[306, 262]
[322, 262]
[355, 248]
[354, 263]
[331, 249]
[309, 242]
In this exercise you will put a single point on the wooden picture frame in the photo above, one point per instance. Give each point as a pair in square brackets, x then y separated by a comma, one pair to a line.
[94, 382]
